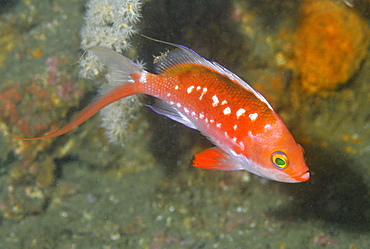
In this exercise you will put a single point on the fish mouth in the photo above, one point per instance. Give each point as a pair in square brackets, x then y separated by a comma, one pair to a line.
[304, 177]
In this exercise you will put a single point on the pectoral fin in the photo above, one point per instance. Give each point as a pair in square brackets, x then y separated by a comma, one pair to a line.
[214, 158]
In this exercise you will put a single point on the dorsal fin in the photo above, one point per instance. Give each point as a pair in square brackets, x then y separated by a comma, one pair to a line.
[183, 55]
[179, 56]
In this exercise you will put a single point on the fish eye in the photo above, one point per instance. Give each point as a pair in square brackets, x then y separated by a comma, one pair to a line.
[279, 160]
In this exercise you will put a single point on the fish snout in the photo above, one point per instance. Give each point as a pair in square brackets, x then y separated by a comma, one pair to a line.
[304, 177]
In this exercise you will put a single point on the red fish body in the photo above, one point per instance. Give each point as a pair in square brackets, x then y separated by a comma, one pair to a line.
[203, 95]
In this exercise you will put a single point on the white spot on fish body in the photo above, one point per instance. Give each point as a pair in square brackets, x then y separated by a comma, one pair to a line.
[203, 92]
[235, 127]
[227, 111]
[206, 120]
[253, 116]
[201, 116]
[215, 100]
[143, 77]
[212, 121]
[198, 88]
[171, 102]
[234, 139]
[168, 94]
[218, 125]
[178, 105]
[267, 127]
[190, 89]
[186, 110]
[224, 102]
[240, 112]
[176, 87]
[193, 114]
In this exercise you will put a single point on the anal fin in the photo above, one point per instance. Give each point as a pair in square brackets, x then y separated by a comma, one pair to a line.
[165, 109]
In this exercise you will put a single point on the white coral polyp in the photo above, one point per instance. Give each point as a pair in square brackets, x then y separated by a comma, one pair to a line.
[111, 23]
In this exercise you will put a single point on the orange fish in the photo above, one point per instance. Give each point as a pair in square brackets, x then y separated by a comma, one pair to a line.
[205, 96]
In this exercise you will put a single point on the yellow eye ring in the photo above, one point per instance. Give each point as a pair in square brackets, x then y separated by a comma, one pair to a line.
[279, 160]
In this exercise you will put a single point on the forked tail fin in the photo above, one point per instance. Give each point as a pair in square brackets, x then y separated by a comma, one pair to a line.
[121, 72]
[115, 94]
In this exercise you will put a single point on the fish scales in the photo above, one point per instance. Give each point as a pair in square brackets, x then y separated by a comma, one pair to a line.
[213, 99]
